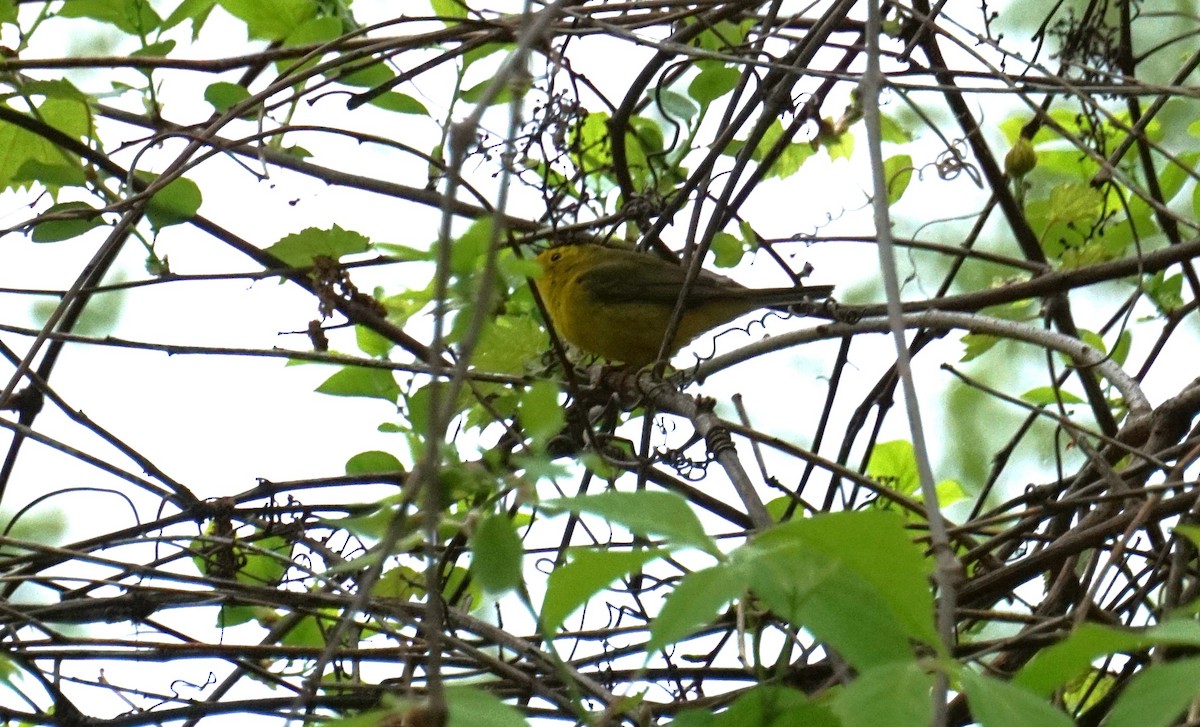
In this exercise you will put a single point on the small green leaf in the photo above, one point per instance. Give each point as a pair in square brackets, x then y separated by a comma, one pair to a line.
[1157, 695]
[175, 203]
[1191, 532]
[51, 175]
[1120, 350]
[572, 585]
[696, 601]
[373, 462]
[470, 707]
[773, 706]
[474, 94]
[266, 562]
[897, 173]
[449, 9]
[56, 230]
[194, 10]
[1049, 396]
[359, 381]
[1056, 665]
[59, 88]
[271, 19]
[301, 248]
[134, 17]
[496, 554]
[750, 238]
[155, 50]
[676, 106]
[712, 83]
[313, 31]
[1000, 704]
[371, 343]
[368, 76]
[727, 250]
[1166, 293]
[893, 132]
[224, 94]
[541, 415]
[977, 344]
[894, 465]
[468, 251]
[399, 103]
[896, 695]
[647, 513]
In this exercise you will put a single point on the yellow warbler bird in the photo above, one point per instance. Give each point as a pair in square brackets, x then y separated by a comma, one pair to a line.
[617, 303]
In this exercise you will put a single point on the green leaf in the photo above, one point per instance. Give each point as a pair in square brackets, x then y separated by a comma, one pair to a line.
[1157, 695]
[727, 249]
[51, 176]
[511, 345]
[399, 103]
[155, 50]
[712, 83]
[373, 462]
[358, 381]
[271, 19]
[266, 562]
[724, 35]
[224, 94]
[893, 132]
[647, 513]
[312, 32]
[999, 704]
[1191, 532]
[496, 554]
[1049, 396]
[19, 147]
[371, 343]
[572, 585]
[468, 251]
[301, 248]
[541, 415]
[774, 706]
[976, 344]
[474, 94]
[897, 172]
[894, 465]
[790, 160]
[854, 579]
[194, 10]
[8, 11]
[896, 695]
[367, 76]
[56, 230]
[449, 9]
[175, 203]
[696, 601]
[1120, 350]
[1056, 665]
[134, 17]
[60, 88]
[1166, 293]
[470, 707]
[483, 51]
[675, 105]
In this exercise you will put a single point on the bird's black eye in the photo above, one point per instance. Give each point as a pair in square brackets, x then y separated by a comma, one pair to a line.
[556, 257]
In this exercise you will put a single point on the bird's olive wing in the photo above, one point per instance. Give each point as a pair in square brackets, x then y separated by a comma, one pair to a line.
[646, 279]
